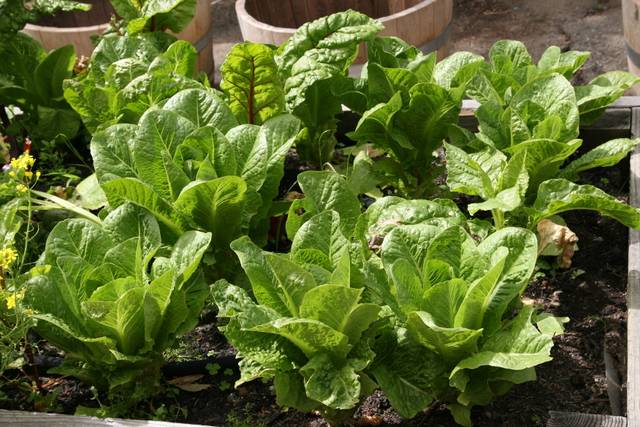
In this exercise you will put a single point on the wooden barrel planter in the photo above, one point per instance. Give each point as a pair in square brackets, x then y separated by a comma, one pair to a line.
[422, 23]
[77, 28]
[631, 23]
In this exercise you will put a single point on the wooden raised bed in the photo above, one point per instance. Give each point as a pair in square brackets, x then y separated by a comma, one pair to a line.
[78, 28]
[622, 119]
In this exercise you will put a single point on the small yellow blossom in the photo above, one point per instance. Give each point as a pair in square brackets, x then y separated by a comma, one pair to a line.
[7, 257]
[25, 161]
[38, 174]
[11, 301]
[22, 188]
[28, 174]
[12, 174]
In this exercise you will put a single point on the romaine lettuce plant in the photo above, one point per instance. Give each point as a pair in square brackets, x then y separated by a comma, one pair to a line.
[112, 297]
[456, 339]
[510, 71]
[193, 168]
[308, 328]
[127, 75]
[413, 103]
[529, 119]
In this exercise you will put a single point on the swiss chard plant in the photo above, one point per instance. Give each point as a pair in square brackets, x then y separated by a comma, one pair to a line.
[193, 167]
[154, 15]
[113, 297]
[461, 334]
[127, 75]
[413, 102]
[313, 66]
[251, 83]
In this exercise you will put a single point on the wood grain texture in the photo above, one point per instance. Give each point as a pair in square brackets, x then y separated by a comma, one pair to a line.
[39, 419]
[633, 289]
[574, 419]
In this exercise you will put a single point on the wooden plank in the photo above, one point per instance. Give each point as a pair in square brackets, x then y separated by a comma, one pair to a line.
[614, 386]
[574, 419]
[396, 6]
[633, 289]
[623, 101]
[284, 17]
[299, 12]
[39, 419]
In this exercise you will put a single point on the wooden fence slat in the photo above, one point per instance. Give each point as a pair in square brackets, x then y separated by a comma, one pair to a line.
[39, 419]
[575, 419]
[633, 289]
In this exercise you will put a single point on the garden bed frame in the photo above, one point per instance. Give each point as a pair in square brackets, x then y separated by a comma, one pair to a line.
[621, 120]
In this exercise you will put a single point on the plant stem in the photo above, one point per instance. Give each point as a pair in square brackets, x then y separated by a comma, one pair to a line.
[498, 219]
[27, 232]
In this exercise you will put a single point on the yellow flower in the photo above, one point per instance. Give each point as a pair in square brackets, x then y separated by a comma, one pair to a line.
[7, 257]
[11, 301]
[38, 174]
[28, 174]
[25, 161]
[22, 188]
[12, 174]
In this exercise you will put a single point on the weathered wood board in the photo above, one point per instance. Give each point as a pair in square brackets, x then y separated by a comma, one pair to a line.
[574, 419]
[633, 289]
[40, 419]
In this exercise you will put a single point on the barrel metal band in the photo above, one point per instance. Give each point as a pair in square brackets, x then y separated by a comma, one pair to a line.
[439, 41]
[204, 40]
[633, 55]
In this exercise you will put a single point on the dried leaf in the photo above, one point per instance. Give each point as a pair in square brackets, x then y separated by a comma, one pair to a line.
[556, 239]
[188, 383]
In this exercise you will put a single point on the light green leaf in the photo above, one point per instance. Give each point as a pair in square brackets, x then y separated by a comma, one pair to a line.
[453, 344]
[325, 191]
[465, 175]
[320, 50]
[310, 336]
[548, 96]
[215, 206]
[251, 82]
[595, 97]
[608, 154]
[320, 241]
[559, 195]
[553, 60]
[157, 138]
[337, 387]
[203, 108]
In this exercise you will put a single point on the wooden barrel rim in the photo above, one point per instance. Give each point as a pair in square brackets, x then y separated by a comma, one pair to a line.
[65, 30]
[241, 10]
